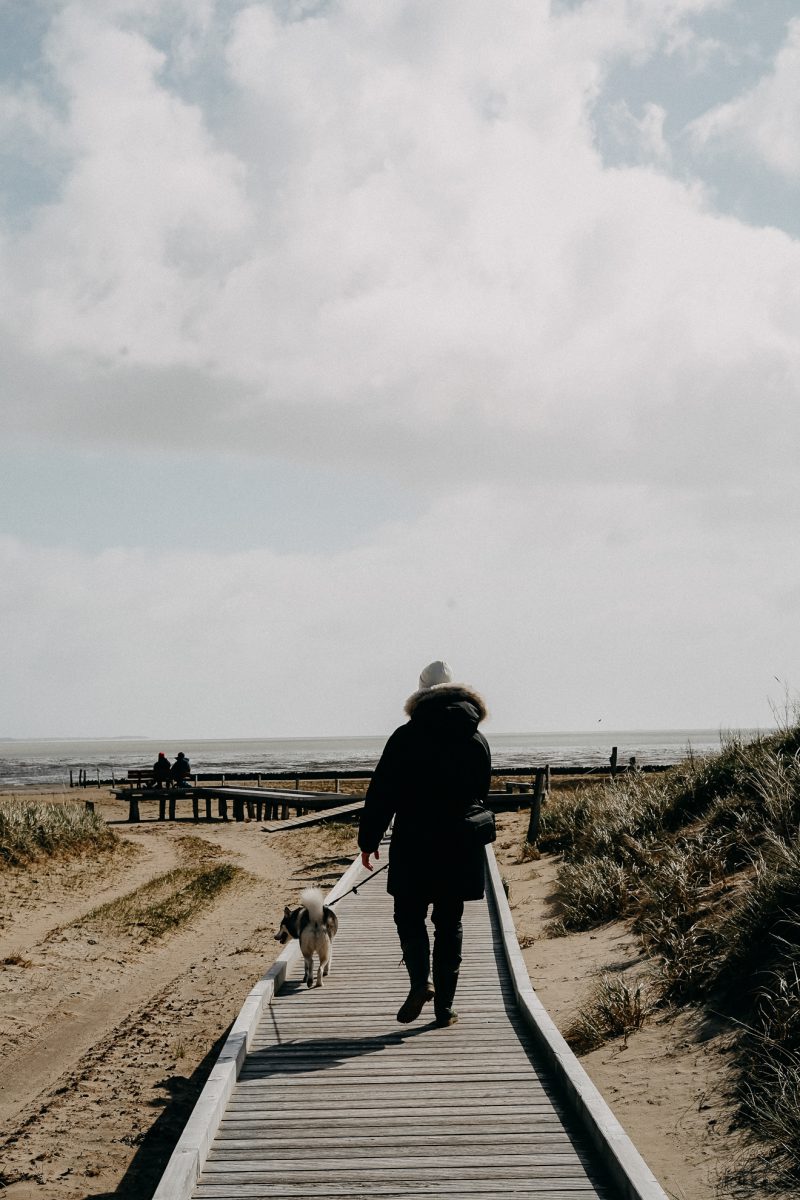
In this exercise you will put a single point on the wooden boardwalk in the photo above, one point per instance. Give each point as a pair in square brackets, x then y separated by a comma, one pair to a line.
[335, 1099]
[316, 818]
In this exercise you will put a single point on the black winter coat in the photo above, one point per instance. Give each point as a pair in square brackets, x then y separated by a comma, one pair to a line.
[161, 769]
[431, 770]
[180, 769]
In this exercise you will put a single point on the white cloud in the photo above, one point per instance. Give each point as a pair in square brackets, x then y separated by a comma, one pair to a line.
[400, 236]
[763, 122]
[382, 234]
[148, 208]
[608, 30]
[643, 135]
[565, 609]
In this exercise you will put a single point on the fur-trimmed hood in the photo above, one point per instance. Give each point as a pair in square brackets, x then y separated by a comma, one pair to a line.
[433, 703]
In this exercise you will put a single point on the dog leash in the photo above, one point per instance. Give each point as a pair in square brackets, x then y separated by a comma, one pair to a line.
[354, 889]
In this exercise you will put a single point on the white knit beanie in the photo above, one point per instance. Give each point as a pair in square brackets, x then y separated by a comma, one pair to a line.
[435, 674]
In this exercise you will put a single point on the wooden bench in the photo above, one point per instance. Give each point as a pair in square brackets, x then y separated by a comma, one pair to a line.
[273, 804]
[137, 784]
[139, 777]
[136, 781]
[171, 797]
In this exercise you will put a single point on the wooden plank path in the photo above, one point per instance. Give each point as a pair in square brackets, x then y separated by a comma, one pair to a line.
[335, 1099]
[315, 818]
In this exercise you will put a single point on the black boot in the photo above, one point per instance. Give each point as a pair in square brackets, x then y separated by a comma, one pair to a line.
[416, 955]
[446, 963]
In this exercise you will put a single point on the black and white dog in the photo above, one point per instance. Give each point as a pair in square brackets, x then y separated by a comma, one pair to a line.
[314, 925]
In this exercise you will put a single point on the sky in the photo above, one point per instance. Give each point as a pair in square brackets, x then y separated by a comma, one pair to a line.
[337, 337]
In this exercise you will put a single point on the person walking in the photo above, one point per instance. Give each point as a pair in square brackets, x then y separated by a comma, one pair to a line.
[433, 768]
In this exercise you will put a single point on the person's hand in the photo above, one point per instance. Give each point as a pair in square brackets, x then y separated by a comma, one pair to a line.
[365, 856]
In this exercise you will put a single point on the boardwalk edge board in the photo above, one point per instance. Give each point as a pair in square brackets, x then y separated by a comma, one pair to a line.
[183, 1170]
[628, 1170]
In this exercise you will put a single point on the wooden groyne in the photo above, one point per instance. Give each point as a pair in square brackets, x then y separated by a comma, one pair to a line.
[82, 777]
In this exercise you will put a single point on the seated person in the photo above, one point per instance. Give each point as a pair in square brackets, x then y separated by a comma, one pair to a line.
[180, 771]
[161, 771]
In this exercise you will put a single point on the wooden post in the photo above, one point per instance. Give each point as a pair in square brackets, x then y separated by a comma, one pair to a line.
[162, 806]
[259, 785]
[172, 799]
[133, 808]
[536, 807]
[223, 807]
[613, 761]
[238, 808]
[297, 783]
[336, 783]
[98, 776]
[71, 784]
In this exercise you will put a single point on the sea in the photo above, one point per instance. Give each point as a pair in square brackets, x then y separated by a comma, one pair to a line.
[42, 763]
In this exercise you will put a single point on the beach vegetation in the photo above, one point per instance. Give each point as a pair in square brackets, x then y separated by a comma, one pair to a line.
[31, 830]
[164, 904]
[591, 891]
[703, 860]
[342, 834]
[616, 1007]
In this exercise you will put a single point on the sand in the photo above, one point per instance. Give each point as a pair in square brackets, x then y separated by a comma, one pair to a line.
[106, 1038]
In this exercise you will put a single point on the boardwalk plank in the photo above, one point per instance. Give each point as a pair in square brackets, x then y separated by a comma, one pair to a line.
[476, 1189]
[351, 1140]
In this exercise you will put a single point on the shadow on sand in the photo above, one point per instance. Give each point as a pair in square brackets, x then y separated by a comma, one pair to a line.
[149, 1163]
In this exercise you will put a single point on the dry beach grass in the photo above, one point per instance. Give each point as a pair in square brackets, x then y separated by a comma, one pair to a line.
[126, 959]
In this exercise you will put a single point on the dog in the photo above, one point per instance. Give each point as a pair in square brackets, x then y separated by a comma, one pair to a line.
[314, 925]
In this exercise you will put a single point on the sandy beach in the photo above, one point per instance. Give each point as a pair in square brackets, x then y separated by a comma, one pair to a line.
[108, 1032]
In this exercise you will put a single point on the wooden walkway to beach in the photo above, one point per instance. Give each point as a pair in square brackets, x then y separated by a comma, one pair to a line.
[335, 1099]
[315, 818]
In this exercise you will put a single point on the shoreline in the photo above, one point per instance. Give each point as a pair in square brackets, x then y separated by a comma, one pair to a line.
[48, 764]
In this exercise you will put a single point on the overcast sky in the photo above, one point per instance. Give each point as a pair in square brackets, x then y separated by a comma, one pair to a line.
[340, 336]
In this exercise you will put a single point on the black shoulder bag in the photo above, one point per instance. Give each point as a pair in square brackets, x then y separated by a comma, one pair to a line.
[479, 824]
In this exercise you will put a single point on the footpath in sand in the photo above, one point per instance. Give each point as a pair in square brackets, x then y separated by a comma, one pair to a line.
[108, 1032]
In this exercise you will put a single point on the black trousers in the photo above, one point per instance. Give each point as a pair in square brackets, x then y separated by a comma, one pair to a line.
[409, 917]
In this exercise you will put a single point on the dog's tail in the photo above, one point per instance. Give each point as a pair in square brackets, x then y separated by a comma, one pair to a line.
[312, 900]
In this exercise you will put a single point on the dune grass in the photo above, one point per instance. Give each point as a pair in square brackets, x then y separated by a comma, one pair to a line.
[343, 834]
[166, 903]
[616, 1007]
[704, 861]
[31, 830]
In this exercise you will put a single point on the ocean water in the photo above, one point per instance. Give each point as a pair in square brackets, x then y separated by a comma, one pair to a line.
[43, 763]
